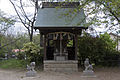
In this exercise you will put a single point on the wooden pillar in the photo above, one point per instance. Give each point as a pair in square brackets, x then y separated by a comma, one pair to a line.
[45, 57]
[41, 40]
[74, 41]
[60, 44]
[76, 46]
[48, 42]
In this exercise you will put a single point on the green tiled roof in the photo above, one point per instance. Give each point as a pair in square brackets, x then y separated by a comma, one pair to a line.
[60, 17]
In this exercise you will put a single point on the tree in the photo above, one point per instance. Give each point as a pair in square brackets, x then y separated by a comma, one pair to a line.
[10, 42]
[26, 18]
[22, 39]
[5, 22]
[101, 13]
[113, 7]
[100, 50]
[111, 45]
[111, 10]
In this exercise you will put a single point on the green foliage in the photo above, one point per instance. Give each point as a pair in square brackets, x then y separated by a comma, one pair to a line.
[13, 64]
[10, 42]
[98, 49]
[104, 13]
[110, 58]
[19, 55]
[110, 44]
[36, 39]
[5, 22]
[32, 52]
[22, 39]
[70, 43]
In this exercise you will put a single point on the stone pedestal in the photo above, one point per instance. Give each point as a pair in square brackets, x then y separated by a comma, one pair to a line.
[62, 66]
[60, 58]
[31, 74]
[88, 73]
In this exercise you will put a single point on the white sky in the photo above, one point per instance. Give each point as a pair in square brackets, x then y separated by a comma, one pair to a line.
[8, 9]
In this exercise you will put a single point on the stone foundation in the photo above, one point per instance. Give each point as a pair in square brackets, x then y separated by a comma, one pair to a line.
[70, 65]
[31, 74]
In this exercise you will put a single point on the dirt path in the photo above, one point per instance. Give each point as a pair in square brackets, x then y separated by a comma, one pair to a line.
[102, 74]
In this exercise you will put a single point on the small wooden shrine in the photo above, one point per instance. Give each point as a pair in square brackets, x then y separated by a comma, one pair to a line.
[59, 24]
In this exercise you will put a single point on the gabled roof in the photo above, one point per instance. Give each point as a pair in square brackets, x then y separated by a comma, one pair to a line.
[64, 15]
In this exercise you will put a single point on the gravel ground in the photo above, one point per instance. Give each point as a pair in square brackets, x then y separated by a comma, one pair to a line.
[101, 74]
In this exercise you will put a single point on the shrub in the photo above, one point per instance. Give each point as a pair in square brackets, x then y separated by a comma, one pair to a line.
[20, 55]
[100, 50]
[32, 52]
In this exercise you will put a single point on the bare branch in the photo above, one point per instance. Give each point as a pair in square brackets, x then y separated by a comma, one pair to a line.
[18, 14]
[112, 26]
[111, 11]
[24, 11]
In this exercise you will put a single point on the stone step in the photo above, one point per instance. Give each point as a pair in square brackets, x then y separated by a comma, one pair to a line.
[61, 65]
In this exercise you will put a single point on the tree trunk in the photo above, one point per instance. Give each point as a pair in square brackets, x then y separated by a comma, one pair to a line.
[31, 34]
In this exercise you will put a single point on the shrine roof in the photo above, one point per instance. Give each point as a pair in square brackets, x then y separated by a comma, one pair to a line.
[54, 14]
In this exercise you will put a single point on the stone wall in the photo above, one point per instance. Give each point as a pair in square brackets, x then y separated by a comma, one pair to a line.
[69, 66]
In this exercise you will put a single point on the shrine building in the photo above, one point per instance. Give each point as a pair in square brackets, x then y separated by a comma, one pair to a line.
[60, 23]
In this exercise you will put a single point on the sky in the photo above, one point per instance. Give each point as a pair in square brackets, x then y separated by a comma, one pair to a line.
[8, 9]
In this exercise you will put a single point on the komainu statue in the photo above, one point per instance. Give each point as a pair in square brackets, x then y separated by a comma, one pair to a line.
[31, 70]
[31, 67]
[88, 72]
[88, 66]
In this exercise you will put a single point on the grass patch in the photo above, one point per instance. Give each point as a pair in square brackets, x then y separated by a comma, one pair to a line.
[12, 64]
